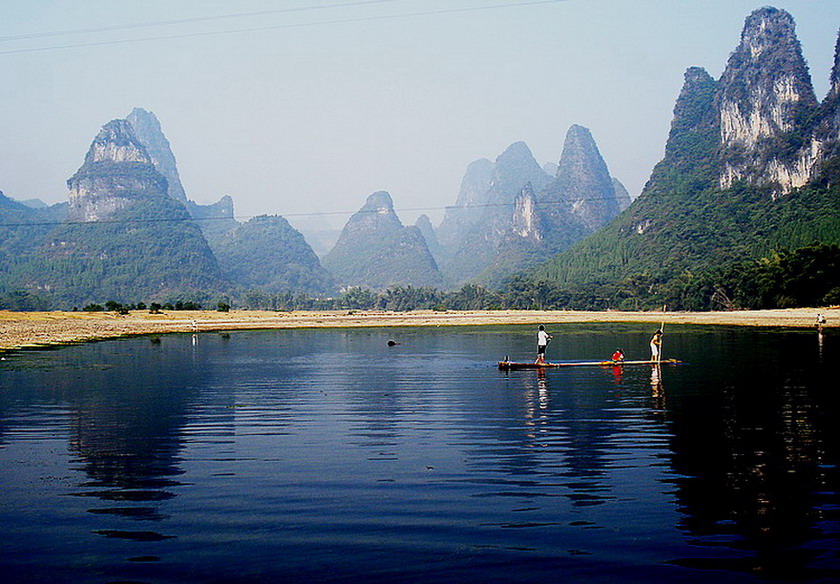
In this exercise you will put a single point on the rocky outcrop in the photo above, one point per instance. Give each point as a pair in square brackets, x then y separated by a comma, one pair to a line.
[828, 130]
[215, 219]
[622, 196]
[375, 250]
[735, 144]
[583, 185]
[127, 239]
[764, 104]
[472, 200]
[526, 221]
[424, 224]
[480, 225]
[117, 171]
[148, 131]
[525, 213]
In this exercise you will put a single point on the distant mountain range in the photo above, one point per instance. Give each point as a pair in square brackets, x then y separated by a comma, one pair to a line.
[509, 216]
[751, 169]
[129, 233]
[512, 214]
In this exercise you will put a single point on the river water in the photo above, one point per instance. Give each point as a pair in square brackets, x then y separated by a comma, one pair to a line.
[329, 456]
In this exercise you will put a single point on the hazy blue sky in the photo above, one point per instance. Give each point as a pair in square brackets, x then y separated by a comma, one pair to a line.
[335, 99]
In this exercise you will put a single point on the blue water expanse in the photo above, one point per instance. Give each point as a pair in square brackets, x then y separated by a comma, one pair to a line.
[328, 456]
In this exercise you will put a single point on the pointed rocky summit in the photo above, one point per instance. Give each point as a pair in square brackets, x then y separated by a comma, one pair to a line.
[765, 94]
[583, 182]
[117, 170]
[424, 224]
[147, 129]
[143, 243]
[375, 250]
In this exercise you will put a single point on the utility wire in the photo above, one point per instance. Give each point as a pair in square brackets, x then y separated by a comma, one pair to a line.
[287, 26]
[57, 33]
[543, 204]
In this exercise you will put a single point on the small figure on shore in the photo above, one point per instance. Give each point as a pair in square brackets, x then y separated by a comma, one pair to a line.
[820, 322]
[618, 356]
[656, 346]
[543, 338]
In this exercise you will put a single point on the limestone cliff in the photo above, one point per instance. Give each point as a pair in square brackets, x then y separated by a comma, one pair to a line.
[127, 239]
[526, 213]
[526, 221]
[751, 164]
[469, 205]
[117, 171]
[148, 131]
[765, 102]
[583, 185]
[424, 224]
[622, 196]
[474, 231]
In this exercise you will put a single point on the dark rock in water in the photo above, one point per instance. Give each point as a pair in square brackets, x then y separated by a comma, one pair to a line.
[392, 343]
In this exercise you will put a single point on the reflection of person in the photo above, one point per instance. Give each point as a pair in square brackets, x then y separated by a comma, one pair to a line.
[656, 387]
[618, 356]
[656, 346]
[543, 339]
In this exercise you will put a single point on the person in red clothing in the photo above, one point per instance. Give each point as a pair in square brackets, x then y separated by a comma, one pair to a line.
[618, 356]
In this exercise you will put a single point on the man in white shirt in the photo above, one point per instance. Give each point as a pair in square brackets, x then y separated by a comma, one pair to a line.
[543, 339]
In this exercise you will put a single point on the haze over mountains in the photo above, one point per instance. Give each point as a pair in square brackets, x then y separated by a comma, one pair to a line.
[511, 214]
[375, 250]
[129, 229]
[750, 167]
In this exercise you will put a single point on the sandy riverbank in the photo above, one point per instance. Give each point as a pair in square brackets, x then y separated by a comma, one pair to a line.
[32, 329]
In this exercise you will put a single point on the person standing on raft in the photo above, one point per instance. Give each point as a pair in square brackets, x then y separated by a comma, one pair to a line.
[820, 322]
[656, 346]
[543, 338]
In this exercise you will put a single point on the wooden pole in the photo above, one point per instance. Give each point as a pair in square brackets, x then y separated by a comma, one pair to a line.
[662, 336]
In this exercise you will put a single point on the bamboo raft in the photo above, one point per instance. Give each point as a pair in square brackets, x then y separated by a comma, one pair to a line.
[511, 365]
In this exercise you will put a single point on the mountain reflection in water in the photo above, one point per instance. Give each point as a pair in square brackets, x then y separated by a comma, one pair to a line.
[328, 456]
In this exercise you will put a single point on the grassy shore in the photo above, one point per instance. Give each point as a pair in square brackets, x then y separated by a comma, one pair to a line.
[33, 329]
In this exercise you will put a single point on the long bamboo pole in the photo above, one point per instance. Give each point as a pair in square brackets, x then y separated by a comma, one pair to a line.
[662, 336]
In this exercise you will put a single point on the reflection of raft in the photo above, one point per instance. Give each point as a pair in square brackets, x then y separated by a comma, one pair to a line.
[508, 365]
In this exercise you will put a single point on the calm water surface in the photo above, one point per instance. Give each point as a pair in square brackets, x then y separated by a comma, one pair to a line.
[327, 456]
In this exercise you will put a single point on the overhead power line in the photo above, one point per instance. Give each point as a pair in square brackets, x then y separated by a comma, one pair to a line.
[193, 20]
[542, 204]
[286, 26]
